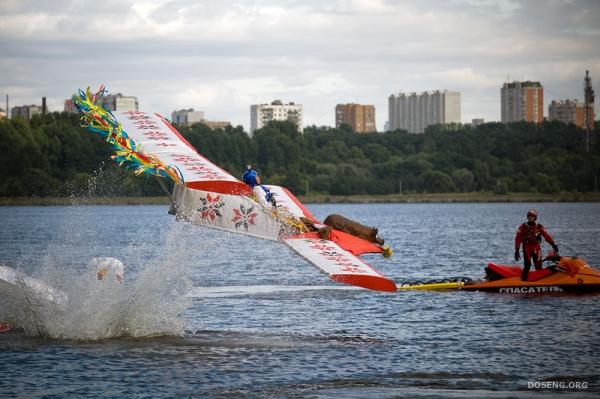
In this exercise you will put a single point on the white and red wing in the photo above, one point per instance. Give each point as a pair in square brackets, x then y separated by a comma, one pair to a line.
[158, 137]
[340, 265]
[289, 202]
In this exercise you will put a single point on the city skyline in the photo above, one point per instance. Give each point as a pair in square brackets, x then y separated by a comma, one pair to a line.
[220, 58]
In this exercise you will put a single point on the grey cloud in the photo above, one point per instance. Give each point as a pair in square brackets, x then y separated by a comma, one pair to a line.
[230, 52]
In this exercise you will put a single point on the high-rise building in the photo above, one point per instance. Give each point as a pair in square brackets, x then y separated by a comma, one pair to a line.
[25, 111]
[414, 112]
[261, 114]
[477, 121]
[216, 124]
[570, 111]
[522, 101]
[187, 117]
[119, 102]
[361, 118]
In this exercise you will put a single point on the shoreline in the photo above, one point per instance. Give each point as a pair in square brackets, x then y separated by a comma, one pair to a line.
[442, 198]
[324, 199]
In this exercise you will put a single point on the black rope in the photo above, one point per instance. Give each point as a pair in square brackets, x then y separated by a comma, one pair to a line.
[411, 283]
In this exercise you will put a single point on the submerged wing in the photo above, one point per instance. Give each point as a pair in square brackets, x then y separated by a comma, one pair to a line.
[340, 265]
[15, 284]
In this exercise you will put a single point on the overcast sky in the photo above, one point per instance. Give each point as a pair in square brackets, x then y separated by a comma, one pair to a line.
[222, 56]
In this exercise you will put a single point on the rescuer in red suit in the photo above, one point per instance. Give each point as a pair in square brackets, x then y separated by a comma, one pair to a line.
[530, 235]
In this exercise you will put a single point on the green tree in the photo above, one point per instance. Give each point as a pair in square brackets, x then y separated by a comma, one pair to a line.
[437, 182]
[463, 180]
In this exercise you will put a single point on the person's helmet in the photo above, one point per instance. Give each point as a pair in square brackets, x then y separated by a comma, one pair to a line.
[532, 212]
[249, 176]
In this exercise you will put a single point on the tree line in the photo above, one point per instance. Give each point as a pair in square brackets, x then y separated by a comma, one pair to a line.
[51, 155]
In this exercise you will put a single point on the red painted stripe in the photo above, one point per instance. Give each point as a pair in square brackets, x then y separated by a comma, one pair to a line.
[355, 245]
[220, 186]
[300, 205]
[369, 282]
[311, 234]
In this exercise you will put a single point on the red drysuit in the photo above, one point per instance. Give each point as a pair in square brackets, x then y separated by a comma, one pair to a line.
[530, 235]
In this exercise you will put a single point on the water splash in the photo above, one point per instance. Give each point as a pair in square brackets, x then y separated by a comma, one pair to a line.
[150, 301]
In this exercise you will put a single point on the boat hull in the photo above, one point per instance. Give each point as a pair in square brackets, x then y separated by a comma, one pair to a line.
[569, 274]
[533, 289]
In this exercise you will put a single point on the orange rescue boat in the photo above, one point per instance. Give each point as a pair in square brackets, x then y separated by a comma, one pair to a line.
[565, 274]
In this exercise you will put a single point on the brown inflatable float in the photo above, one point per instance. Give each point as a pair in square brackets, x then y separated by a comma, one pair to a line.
[346, 225]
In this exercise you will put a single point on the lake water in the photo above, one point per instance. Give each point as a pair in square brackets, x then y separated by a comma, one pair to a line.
[209, 314]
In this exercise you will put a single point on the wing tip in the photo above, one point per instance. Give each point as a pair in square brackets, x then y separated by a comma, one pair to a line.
[375, 283]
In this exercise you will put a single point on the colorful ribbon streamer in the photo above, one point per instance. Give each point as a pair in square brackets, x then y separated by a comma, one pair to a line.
[128, 153]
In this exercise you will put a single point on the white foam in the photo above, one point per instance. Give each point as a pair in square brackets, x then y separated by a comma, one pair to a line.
[241, 290]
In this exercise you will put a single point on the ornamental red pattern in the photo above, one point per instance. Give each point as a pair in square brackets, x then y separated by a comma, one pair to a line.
[135, 114]
[332, 254]
[244, 217]
[210, 207]
[204, 172]
[183, 158]
[199, 167]
[145, 124]
[156, 135]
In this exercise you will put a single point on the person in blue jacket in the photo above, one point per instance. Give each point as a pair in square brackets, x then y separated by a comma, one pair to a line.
[263, 195]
